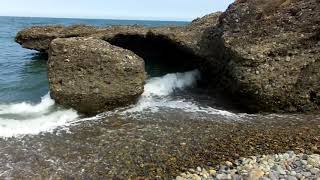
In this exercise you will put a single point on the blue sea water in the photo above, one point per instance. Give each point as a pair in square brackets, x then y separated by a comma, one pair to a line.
[23, 75]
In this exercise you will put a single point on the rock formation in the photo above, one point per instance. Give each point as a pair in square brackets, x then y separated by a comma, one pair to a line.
[267, 53]
[92, 76]
[40, 37]
[264, 53]
[175, 46]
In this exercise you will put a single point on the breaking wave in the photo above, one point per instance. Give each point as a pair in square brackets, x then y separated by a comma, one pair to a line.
[157, 91]
[26, 118]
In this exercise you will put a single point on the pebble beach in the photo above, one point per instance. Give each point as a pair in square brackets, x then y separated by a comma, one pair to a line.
[287, 166]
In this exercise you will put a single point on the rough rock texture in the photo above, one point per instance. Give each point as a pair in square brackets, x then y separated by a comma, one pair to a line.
[39, 37]
[267, 53]
[91, 75]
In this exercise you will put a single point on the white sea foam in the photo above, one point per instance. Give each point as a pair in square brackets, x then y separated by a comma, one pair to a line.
[25, 118]
[163, 86]
[27, 108]
[157, 91]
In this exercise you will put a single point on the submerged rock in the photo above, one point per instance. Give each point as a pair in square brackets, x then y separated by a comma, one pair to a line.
[92, 76]
[267, 53]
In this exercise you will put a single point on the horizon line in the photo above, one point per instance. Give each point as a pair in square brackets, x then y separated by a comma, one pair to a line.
[111, 18]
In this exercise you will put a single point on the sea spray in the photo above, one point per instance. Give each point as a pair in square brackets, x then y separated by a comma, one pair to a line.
[26, 118]
[157, 91]
[163, 86]
[28, 108]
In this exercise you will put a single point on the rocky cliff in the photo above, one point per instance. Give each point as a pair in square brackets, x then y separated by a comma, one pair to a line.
[267, 53]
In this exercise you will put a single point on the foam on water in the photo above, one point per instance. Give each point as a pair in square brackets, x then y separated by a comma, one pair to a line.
[157, 91]
[164, 86]
[27, 108]
[25, 118]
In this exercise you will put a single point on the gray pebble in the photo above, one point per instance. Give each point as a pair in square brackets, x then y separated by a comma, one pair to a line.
[292, 178]
[306, 174]
[314, 170]
[273, 175]
[224, 177]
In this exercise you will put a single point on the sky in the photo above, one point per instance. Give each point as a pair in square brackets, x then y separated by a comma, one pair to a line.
[114, 9]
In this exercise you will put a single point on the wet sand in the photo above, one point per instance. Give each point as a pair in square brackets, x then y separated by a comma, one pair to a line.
[121, 148]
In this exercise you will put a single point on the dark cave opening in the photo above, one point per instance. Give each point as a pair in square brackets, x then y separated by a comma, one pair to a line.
[161, 54]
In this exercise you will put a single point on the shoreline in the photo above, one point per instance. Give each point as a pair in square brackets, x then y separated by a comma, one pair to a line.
[122, 148]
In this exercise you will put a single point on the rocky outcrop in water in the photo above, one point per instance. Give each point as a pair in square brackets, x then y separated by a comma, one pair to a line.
[40, 37]
[176, 47]
[92, 76]
[267, 53]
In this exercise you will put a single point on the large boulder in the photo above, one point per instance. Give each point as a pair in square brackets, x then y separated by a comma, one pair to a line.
[267, 53]
[92, 76]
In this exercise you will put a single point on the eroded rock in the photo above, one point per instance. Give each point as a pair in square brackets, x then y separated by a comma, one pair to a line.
[266, 52]
[39, 37]
[92, 76]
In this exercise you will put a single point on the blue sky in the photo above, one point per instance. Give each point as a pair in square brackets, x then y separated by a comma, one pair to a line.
[114, 9]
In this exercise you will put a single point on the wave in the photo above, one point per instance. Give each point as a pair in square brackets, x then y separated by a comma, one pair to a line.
[26, 118]
[27, 108]
[157, 91]
[163, 86]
